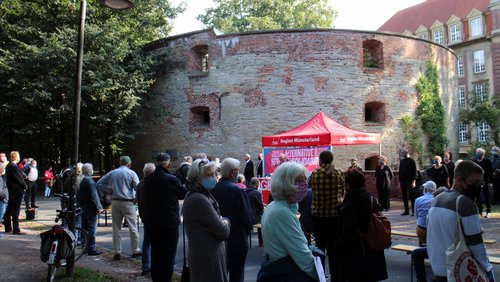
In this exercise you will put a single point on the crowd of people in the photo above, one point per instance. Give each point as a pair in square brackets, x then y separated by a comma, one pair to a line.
[310, 219]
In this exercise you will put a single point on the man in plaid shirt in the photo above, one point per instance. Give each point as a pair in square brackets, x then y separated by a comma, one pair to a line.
[327, 185]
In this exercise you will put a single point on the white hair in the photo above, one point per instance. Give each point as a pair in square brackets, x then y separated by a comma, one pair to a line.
[481, 151]
[198, 169]
[87, 168]
[283, 180]
[148, 168]
[228, 165]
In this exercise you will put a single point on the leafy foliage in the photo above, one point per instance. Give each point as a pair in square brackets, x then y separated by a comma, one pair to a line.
[234, 16]
[430, 110]
[38, 42]
[412, 132]
[488, 111]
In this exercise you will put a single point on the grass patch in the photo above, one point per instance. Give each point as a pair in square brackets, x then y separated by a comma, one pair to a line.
[83, 275]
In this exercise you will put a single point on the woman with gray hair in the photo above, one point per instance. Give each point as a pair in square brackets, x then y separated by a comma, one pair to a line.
[206, 230]
[287, 252]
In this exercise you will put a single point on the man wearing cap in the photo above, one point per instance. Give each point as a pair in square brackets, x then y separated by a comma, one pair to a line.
[407, 180]
[422, 205]
[122, 182]
[160, 212]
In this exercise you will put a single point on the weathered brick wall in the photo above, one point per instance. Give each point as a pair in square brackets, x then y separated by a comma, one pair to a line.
[269, 82]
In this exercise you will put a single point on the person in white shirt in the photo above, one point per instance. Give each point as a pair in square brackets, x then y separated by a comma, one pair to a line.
[29, 197]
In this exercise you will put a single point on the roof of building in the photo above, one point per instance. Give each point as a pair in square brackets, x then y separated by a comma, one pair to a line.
[428, 12]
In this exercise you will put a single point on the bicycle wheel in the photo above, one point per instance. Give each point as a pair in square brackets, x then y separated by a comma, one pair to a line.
[82, 242]
[51, 274]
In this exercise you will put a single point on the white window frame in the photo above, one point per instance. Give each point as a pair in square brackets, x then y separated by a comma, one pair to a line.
[455, 33]
[482, 131]
[480, 92]
[462, 133]
[476, 26]
[438, 36]
[479, 65]
[423, 35]
[460, 66]
[461, 97]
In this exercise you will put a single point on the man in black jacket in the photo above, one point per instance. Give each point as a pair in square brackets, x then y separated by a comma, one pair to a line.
[88, 199]
[233, 203]
[16, 186]
[485, 164]
[162, 190]
[407, 180]
[248, 173]
[255, 200]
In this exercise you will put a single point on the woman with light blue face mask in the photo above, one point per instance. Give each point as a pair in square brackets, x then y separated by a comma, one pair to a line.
[206, 230]
[439, 173]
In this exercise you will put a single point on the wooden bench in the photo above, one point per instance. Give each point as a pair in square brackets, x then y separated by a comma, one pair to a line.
[107, 213]
[408, 249]
[414, 235]
[255, 226]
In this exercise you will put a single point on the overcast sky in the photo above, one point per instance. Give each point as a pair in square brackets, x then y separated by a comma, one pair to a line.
[352, 14]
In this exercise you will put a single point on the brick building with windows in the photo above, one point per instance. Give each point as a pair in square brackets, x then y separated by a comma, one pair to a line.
[220, 94]
[471, 28]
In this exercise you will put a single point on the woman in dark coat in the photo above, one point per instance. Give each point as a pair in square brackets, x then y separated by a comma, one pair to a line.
[206, 230]
[357, 262]
[383, 177]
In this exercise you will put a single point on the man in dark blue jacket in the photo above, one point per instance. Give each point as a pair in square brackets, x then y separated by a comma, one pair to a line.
[88, 199]
[234, 205]
[162, 190]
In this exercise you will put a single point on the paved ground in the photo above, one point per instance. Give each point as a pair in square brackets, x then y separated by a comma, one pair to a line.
[24, 250]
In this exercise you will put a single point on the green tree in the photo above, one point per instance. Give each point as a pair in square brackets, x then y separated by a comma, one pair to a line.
[484, 110]
[234, 16]
[430, 112]
[38, 42]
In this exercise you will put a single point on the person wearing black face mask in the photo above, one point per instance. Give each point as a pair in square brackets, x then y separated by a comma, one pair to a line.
[485, 164]
[442, 221]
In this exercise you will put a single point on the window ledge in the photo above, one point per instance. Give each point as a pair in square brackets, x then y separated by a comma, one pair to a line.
[374, 123]
[193, 74]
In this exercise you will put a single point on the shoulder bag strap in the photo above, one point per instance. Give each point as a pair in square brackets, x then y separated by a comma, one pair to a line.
[460, 234]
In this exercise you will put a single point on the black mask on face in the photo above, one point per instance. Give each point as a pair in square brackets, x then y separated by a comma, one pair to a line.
[259, 158]
[472, 186]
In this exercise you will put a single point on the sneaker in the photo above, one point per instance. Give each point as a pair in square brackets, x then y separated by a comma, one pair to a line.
[405, 213]
[117, 257]
[8, 229]
[486, 215]
[137, 254]
[94, 253]
[35, 206]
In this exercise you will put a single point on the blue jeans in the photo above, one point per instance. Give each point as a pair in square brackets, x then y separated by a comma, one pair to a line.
[146, 250]
[3, 207]
[89, 224]
[47, 191]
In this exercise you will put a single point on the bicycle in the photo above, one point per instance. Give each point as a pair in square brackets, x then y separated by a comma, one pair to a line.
[59, 242]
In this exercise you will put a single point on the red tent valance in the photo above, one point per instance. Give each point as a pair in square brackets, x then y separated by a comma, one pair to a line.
[320, 130]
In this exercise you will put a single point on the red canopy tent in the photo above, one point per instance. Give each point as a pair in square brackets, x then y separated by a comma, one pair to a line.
[320, 130]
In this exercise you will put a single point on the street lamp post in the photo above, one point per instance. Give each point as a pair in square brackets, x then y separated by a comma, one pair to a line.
[115, 5]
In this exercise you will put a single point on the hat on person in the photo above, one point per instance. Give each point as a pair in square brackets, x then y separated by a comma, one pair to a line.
[429, 186]
[162, 157]
[125, 160]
